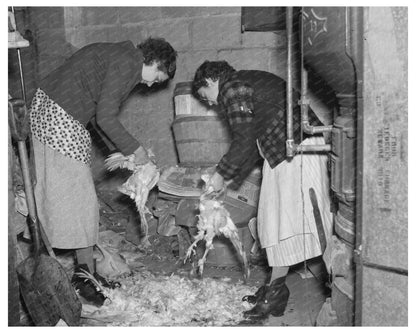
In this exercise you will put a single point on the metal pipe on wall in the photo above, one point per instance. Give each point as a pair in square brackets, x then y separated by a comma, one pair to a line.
[304, 105]
[313, 148]
[290, 145]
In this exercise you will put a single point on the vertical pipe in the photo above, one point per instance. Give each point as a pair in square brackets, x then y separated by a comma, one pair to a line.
[289, 84]
[357, 41]
[303, 91]
[291, 147]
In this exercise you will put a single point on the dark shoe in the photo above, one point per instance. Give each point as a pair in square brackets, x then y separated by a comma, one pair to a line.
[106, 282]
[85, 286]
[273, 300]
[252, 299]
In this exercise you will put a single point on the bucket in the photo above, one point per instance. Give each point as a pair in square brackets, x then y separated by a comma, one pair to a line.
[186, 104]
[202, 140]
[224, 254]
[242, 203]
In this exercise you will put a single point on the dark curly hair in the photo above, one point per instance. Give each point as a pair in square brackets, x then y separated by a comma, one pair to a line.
[210, 70]
[159, 50]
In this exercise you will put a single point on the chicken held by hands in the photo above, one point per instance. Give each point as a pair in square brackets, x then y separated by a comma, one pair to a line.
[138, 185]
[215, 220]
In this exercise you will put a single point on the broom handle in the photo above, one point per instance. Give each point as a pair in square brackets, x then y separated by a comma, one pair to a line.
[19, 125]
[29, 193]
[30, 199]
[19, 128]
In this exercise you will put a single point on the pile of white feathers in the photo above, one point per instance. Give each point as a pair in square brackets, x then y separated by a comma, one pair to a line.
[149, 300]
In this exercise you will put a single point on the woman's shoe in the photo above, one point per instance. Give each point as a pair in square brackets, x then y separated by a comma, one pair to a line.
[272, 301]
[252, 299]
[87, 290]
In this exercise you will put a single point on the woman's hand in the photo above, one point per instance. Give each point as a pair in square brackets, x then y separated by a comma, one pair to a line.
[140, 156]
[215, 183]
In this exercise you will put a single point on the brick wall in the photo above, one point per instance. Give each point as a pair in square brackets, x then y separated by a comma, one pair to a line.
[197, 33]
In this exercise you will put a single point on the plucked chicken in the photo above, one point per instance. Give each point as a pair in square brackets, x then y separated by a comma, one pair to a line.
[138, 185]
[215, 220]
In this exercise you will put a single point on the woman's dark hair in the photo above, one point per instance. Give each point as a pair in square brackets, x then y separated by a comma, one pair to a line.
[210, 70]
[159, 50]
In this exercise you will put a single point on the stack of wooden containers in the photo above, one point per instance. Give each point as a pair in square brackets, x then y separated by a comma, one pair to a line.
[201, 136]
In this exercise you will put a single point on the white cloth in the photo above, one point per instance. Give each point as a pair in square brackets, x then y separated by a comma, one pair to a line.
[286, 223]
[65, 197]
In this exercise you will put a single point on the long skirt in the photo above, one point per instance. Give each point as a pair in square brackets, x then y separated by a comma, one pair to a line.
[286, 224]
[65, 196]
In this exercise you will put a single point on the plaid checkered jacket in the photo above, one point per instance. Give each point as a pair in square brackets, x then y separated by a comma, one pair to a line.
[254, 103]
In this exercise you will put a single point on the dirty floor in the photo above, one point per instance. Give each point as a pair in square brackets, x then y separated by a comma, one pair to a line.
[307, 291]
[305, 282]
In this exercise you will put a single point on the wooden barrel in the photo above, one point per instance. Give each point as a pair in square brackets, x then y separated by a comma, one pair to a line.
[186, 104]
[201, 140]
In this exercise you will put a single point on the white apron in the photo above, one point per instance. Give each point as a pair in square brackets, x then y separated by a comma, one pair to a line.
[286, 223]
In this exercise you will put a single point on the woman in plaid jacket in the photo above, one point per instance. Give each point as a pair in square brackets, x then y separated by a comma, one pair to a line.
[254, 103]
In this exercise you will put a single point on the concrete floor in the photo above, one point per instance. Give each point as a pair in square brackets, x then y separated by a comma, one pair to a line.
[306, 294]
[307, 291]
[305, 301]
